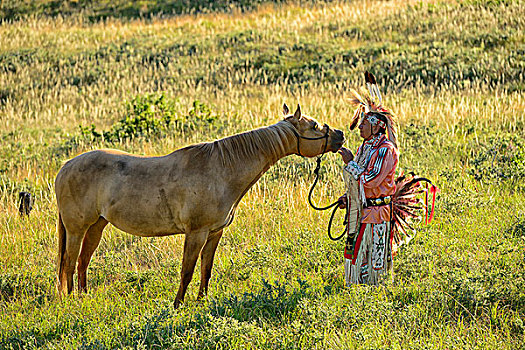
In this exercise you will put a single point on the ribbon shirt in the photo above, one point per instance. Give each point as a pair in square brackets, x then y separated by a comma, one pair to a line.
[374, 166]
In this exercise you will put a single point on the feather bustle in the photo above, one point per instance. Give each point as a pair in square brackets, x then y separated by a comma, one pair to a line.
[406, 206]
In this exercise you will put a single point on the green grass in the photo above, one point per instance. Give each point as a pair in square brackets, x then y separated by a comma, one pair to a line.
[452, 70]
[102, 9]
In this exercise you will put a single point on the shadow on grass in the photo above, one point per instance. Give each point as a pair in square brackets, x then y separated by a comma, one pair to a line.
[237, 314]
[15, 286]
[272, 302]
[37, 337]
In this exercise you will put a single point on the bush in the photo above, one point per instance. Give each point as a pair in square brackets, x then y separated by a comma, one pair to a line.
[501, 159]
[153, 116]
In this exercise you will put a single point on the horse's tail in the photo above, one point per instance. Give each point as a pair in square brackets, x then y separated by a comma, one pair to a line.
[61, 230]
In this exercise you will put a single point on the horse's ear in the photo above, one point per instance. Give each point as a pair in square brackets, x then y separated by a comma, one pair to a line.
[297, 114]
[286, 110]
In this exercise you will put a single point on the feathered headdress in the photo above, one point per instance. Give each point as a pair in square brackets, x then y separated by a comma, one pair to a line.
[372, 102]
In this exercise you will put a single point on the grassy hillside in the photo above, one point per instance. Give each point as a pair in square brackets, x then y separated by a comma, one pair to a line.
[124, 9]
[452, 70]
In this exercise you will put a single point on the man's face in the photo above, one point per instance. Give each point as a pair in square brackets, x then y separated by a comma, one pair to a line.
[365, 129]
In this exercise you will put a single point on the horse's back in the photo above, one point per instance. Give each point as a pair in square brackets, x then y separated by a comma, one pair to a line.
[84, 170]
[140, 195]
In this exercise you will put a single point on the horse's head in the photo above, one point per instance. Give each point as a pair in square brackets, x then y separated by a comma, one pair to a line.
[313, 138]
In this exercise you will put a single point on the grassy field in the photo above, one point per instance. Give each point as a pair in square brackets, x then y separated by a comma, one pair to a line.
[154, 77]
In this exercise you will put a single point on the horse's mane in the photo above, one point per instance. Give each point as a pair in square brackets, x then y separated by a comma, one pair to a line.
[269, 140]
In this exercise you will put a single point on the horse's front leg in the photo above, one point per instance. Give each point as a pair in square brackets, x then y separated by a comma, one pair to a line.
[193, 244]
[207, 255]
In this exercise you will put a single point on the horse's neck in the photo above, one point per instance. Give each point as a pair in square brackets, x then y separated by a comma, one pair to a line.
[261, 148]
[253, 166]
[268, 145]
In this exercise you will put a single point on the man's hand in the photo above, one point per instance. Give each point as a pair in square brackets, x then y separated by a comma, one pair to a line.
[342, 201]
[346, 154]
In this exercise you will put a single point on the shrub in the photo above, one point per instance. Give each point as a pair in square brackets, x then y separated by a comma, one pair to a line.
[501, 159]
[153, 116]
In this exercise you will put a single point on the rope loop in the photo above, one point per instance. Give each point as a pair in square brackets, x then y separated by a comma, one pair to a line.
[330, 226]
[334, 204]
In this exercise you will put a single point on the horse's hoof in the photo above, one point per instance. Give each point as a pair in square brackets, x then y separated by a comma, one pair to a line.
[176, 304]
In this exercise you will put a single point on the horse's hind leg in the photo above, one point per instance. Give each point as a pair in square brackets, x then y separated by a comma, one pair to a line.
[193, 244]
[70, 239]
[89, 244]
[207, 255]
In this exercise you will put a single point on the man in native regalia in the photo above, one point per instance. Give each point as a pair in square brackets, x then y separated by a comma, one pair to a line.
[370, 188]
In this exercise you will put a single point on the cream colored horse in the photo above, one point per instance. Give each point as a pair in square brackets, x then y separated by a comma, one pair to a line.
[193, 191]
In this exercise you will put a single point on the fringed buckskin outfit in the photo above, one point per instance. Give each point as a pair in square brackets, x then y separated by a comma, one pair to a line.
[368, 249]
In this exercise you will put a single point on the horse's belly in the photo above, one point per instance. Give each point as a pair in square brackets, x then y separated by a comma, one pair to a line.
[142, 220]
[149, 219]
[143, 228]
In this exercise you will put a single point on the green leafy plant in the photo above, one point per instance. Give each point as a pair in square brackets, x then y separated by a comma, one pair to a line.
[153, 116]
[500, 159]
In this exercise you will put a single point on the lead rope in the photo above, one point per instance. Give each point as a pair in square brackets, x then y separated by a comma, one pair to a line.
[336, 203]
[316, 172]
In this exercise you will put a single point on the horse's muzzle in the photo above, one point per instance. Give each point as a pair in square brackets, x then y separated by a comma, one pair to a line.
[338, 139]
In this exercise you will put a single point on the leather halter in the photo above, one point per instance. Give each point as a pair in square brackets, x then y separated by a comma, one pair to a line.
[325, 136]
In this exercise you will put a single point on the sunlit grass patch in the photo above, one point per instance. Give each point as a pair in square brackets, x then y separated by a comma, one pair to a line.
[451, 70]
